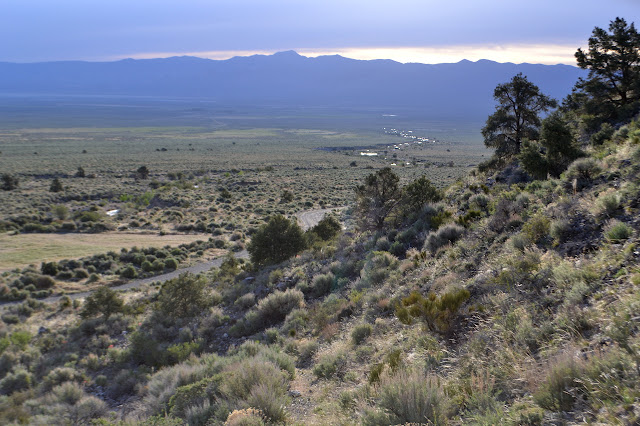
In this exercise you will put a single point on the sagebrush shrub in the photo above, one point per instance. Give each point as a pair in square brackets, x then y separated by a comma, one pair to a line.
[446, 235]
[410, 397]
[360, 333]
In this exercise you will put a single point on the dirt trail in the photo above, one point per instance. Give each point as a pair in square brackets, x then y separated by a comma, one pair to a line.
[310, 218]
[307, 219]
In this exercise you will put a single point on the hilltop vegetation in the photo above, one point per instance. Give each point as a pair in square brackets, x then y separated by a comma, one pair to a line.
[511, 296]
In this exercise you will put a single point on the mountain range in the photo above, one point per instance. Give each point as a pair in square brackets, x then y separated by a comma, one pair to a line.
[453, 90]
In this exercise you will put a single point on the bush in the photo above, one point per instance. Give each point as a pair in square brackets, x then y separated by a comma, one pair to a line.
[360, 333]
[327, 228]
[617, 231]
[559, 230]
[583, 171]
[171, 264]
[410, 397]
[608, 204]
[17, 381]
[182, 297]
[446, 235]
[274, 308]
[276, 241]
[9, 182]
[245, 417]
[329, 365]
[102, 301]
[49, 268]
[44, 282]
[437, 311]
[537, 228]
[321, 284]
[129, 272]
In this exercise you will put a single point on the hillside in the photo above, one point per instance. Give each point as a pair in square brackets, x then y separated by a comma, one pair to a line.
[460, 90]
[503, 303]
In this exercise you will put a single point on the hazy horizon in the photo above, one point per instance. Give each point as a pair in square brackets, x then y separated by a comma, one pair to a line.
[545, 32]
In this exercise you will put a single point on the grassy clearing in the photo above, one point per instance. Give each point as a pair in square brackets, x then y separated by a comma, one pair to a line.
[18, 251]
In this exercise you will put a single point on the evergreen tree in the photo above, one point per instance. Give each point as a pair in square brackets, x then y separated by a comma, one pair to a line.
[553, 152]
[611, 93]
[516, 118]
[276, 241]
[56, 185]
[377, 198]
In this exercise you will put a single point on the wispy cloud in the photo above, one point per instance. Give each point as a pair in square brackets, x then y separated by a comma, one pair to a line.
[549, 54]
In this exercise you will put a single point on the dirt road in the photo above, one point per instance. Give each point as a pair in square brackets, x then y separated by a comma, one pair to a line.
[307, 219]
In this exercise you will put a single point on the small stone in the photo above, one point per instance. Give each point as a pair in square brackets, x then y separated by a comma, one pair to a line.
[294, 393]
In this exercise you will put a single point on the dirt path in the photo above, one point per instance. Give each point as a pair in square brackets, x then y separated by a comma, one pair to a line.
[307, 219]
[310, 218]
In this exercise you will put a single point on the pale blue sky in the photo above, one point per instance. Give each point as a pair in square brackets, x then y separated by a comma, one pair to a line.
[541, 31]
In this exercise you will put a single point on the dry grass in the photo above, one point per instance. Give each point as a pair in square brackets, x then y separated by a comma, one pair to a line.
[17, 251]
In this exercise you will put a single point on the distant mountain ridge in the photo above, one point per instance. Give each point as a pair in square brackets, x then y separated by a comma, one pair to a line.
[463, 89]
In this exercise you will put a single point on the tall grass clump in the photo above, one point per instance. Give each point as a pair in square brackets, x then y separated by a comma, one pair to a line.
[409, 397]
[617, 231]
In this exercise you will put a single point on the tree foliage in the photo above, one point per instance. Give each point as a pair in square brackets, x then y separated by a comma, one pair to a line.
[553, 152]
[9, 182]
[327, 228]
[611, 93]
[276, 241]
[517, 116]
[182, 297]
[377, 198]
[102, 301]
[56, 185]
[420, 192]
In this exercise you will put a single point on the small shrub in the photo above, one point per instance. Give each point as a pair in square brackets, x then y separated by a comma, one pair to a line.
[321, 284]
[246, 301]
[329, 365]
[246, 417]
[129, 272]
[360, 333]
[537, 228]
[607, 204]
[559, 230]
[446, 235]
[617, 231]
[583, 171]
[438, 312]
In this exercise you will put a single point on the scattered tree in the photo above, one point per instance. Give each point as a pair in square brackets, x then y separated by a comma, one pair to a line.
[611, 92]
[9, 182]
[102, 301]
[419, 192]
[377, 198]
[182, 297]
[56, 185]
[516, 118]
[142, 172]
[276, 241]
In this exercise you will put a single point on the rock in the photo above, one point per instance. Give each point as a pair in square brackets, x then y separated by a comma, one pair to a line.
[294, 393]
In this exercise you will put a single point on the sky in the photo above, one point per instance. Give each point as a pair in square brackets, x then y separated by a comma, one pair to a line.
[425, 31]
